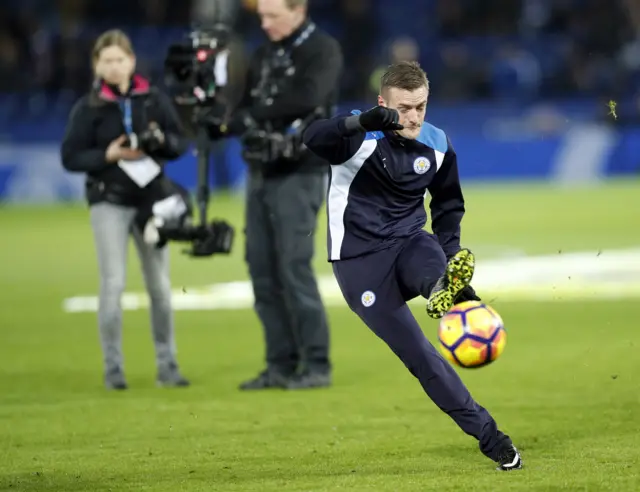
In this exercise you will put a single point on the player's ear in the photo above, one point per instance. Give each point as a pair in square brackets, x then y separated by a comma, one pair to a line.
[381, 101]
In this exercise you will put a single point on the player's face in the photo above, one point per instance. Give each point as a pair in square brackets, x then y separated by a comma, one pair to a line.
[278, 20]
[115, 65]
[411, 107]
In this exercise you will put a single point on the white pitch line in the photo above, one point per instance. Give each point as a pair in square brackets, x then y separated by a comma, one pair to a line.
[560, 277]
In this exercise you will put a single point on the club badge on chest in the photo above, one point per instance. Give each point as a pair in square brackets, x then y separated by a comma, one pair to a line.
[421, 165]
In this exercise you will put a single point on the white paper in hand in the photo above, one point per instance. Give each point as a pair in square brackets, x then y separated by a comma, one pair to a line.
[141, 171]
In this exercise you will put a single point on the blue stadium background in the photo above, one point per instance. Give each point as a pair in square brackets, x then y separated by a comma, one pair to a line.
[522, 87]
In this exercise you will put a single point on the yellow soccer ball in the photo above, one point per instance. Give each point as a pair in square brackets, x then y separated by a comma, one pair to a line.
[472, 334]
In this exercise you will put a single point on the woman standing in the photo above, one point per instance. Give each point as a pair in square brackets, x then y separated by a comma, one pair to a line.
[119, 135]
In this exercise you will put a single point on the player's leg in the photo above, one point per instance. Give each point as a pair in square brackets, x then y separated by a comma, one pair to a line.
[155, 270]
[420, 266]
[383, 308]
[421, 262]
[111, 226]
[270, 306]
[296, 200]
[424, 270]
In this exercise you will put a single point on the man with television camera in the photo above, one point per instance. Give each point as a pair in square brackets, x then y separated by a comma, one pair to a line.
[292, 80]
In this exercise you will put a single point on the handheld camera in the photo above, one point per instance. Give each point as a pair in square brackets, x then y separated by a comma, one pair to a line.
[195, 71]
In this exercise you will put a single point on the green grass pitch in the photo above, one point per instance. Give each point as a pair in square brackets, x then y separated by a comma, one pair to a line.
[567, 388]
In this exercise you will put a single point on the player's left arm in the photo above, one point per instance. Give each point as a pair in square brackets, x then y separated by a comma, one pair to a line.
[447, 203]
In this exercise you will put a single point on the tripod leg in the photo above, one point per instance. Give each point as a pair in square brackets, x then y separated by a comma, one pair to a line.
[204, 157]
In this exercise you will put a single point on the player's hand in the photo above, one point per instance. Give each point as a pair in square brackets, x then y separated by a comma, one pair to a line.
[116, 151]
[467, 294]
[379, 119]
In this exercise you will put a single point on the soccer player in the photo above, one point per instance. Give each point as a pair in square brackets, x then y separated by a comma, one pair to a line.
[383, 162]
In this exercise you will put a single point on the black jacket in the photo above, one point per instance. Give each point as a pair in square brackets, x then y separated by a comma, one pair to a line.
[318, 63]
[96, 120]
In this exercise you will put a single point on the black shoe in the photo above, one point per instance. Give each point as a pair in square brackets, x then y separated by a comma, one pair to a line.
[268, 379]
[308, 380]
[114, 379]
[169, 376]
[509, 459]
[456, 277]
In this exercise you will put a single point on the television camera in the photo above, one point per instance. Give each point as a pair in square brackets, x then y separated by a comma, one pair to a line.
[195, 72]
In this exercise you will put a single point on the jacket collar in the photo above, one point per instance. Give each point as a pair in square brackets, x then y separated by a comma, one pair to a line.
[139, 86]
[293, 37]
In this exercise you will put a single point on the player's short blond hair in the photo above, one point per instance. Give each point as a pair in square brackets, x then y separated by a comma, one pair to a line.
[406, 75]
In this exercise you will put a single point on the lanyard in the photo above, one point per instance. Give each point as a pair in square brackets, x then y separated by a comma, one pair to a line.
[127, 119]
[304, 35]
[266, 88]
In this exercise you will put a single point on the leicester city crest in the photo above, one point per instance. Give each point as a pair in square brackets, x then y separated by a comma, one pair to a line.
[421, 165]
[368, 298]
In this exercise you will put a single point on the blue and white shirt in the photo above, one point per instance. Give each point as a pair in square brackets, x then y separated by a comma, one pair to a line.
[378, 185]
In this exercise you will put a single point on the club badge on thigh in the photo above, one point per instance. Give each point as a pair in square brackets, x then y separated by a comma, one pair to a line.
[368, 298]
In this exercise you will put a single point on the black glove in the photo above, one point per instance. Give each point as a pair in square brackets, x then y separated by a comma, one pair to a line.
[467, 294]
[376, 119]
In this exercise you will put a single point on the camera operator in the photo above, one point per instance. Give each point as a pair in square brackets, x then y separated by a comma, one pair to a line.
[120, 135]
[292, 79]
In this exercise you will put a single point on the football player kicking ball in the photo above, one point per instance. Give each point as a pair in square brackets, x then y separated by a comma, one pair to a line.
[382, 163]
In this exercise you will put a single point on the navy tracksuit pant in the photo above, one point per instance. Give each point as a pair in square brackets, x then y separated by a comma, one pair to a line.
[377, 287]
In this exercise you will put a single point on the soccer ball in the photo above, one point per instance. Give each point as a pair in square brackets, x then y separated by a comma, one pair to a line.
[471, 334]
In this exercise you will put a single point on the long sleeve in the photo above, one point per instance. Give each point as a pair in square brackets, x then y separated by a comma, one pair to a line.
[447, 203]
[330, 140]
[176, 142]
[78, 152]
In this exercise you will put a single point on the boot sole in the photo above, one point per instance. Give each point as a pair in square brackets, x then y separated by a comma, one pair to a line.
[459, 273]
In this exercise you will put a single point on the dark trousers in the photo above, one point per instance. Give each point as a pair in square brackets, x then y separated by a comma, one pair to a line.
[281, 219]
[377, 287]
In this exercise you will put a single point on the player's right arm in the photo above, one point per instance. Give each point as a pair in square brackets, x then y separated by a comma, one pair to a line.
[332, 141]
[337, 139]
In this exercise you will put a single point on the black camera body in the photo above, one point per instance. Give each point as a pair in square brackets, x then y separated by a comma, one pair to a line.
[190, 67]
[149, 141]
[263, 146]
[206, 240]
